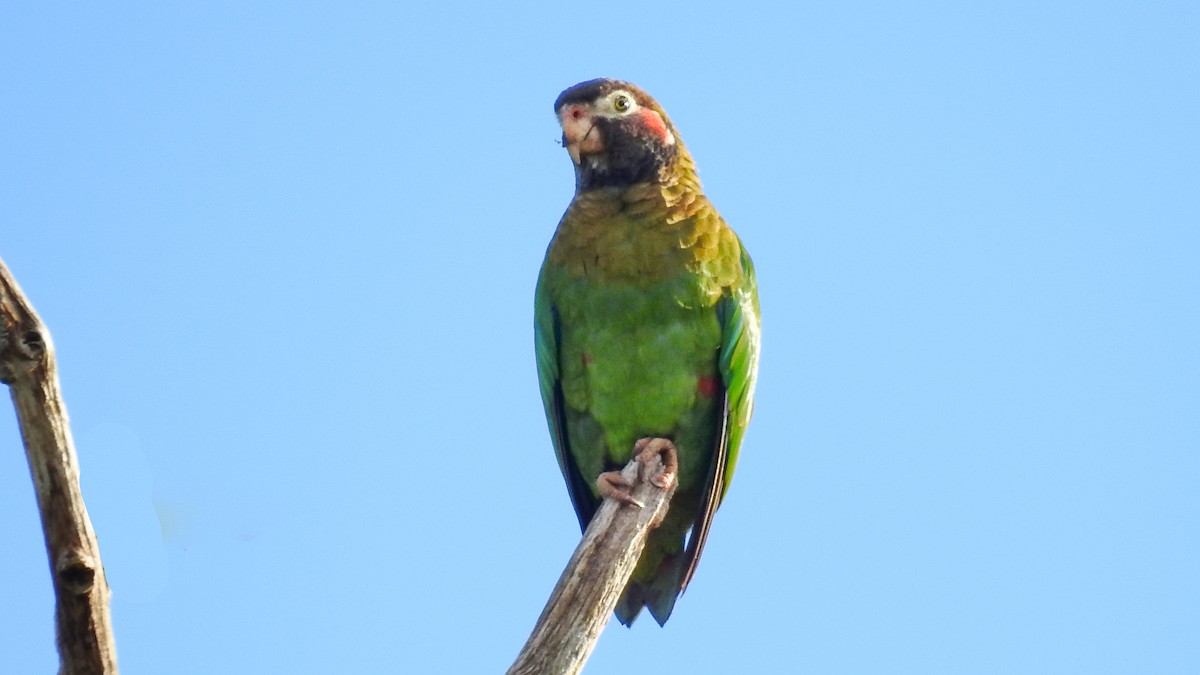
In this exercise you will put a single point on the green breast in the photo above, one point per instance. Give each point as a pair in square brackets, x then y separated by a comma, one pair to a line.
[636, 291]
[632, 362]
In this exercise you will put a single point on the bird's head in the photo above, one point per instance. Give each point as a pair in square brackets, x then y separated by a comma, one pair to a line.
[616, 134]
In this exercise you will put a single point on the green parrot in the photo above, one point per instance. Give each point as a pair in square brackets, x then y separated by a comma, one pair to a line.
[646, 325]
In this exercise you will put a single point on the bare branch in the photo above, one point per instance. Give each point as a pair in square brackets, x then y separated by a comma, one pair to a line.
[587, 592]
[85, 639]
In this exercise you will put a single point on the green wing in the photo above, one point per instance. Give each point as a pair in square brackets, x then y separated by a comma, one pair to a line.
[737, 360]
[545, 338]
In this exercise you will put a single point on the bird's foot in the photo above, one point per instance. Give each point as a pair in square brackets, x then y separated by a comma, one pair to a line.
[613, 484]
[647, 448]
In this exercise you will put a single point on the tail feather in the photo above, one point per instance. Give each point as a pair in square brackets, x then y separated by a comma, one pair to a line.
[657, 593]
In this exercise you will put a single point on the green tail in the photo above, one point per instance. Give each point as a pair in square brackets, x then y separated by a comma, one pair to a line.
[657, 594]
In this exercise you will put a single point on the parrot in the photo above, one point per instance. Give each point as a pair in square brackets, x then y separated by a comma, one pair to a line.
[646, 326]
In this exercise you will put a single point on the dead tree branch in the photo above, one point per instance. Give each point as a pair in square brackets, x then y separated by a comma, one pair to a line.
[588, 590]
[85, 639]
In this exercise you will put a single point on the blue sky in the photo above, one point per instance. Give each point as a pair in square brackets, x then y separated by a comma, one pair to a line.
[287, 254]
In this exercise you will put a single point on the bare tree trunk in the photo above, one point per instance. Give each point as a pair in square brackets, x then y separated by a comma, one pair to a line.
[85, 639]
[587, 592]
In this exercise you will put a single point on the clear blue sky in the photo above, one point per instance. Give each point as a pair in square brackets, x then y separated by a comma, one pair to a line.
[287, 254]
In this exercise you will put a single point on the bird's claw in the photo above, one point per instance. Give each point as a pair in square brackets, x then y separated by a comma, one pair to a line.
[613, 484]
[647, 448]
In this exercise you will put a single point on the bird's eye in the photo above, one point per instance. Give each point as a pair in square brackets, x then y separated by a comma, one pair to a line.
[621, 103]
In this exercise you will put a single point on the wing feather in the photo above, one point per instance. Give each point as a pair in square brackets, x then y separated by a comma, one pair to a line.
[546, 342]
[737, 360]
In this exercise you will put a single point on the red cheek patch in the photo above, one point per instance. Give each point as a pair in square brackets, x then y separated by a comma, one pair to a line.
[707, 386]
[653, 122]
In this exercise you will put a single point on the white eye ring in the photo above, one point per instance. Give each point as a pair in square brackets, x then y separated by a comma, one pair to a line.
[622, 102]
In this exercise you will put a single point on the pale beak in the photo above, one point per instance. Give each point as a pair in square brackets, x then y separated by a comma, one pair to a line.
[572, 149]
[581, 136]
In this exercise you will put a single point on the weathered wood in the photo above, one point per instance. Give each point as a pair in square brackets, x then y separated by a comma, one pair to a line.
[27, 366]
[587, 592]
